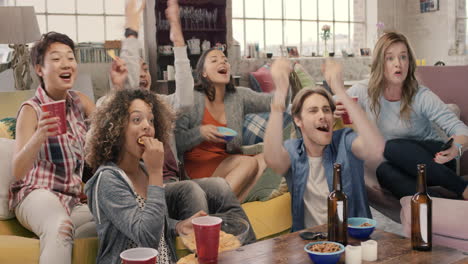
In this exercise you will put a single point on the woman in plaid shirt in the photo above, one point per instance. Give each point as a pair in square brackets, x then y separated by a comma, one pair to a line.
[48, 165]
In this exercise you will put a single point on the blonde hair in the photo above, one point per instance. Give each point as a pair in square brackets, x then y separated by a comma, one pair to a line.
[377, 79]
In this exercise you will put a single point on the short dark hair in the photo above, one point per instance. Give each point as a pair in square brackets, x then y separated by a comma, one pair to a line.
[40, 47]
[203, 84]
[303, 94]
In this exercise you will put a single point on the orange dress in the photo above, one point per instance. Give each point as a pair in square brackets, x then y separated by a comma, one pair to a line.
[202, 160]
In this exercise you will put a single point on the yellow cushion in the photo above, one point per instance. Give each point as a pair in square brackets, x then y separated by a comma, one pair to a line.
[11, 101]
[13, 228]
[19, 250]
[270, 217]
[85, 250]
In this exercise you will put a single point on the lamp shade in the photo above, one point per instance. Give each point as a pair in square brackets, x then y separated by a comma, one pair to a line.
[18, 25]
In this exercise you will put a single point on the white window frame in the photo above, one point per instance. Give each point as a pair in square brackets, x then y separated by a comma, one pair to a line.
[300, 19]
[46, 13]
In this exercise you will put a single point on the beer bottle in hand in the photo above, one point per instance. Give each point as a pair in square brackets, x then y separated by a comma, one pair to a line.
[337, 209]
[421, 214]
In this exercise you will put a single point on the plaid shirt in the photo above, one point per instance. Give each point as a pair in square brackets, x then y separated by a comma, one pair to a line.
[59, 165]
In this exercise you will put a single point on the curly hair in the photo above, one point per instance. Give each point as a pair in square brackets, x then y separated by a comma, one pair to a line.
[109, 122]
[203, 84]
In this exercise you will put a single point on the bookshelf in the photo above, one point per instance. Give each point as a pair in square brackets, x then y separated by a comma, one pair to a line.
[200, 19]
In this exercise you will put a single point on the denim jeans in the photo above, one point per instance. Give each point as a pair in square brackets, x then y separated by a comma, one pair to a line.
[42, 213]
[212, 195]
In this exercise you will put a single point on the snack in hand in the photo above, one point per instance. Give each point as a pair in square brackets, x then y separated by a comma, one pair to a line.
[140, 141]
[111, 54]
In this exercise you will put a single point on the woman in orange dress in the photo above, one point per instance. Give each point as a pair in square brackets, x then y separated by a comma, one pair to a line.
[217, 102]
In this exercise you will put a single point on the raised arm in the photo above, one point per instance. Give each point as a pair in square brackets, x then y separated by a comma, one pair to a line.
[125, 72]
[276, 156]
[182, 99]
[369, 144]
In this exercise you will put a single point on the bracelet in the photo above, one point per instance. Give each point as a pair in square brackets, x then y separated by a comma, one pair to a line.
[130, 32]
[460, 151]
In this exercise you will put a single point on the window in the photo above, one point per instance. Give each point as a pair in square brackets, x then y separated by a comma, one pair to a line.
[272, 23]
[461, 39]
[81, 20]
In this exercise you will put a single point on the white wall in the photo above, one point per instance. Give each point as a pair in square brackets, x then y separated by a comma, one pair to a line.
[432, 35]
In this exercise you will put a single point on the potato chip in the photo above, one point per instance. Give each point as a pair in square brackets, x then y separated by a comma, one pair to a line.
[189, 259]
[111, 53]
[226, 241]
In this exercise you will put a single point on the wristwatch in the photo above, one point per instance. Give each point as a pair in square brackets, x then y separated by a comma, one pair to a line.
[460, 151]
[130, 32]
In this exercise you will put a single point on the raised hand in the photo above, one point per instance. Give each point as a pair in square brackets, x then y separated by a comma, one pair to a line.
[210, 133]
[333, 73]
[118, 73]
[280, 70]
[173, 16]
[133, 14]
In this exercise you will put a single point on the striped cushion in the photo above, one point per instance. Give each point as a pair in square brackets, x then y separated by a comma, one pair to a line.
[255, 126]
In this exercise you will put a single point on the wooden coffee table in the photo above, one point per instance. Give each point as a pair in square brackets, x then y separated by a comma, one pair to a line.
[289, 248]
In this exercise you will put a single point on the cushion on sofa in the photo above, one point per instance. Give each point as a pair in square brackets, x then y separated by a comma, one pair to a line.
[6, 176]
[254, 127]
[299, 79]
[261, 80]
[8, 127]
[11, 101]
[270, 218]
[19, 250]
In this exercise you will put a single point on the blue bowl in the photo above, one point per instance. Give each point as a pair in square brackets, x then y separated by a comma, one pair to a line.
[228, 134]
[324, 258]
[360, 232]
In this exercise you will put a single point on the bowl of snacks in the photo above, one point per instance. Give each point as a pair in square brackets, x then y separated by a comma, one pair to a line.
[361, 227]
[234, 231]
[228, 134]
[324, 252]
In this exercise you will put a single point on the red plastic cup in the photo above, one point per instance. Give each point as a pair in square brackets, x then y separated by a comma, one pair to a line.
[346, 118]
[140, 255]
[57, 109]
[207, 238]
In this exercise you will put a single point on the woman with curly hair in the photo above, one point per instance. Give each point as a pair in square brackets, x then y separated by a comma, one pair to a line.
[130, 203]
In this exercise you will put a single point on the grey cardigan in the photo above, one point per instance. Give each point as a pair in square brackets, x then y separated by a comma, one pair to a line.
[236, 105]
[118, 218]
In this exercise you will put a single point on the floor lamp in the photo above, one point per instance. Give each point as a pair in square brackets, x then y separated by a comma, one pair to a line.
[18, 27]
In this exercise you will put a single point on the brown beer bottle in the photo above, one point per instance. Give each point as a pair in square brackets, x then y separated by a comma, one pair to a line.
[421, 214]
[337, 210]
